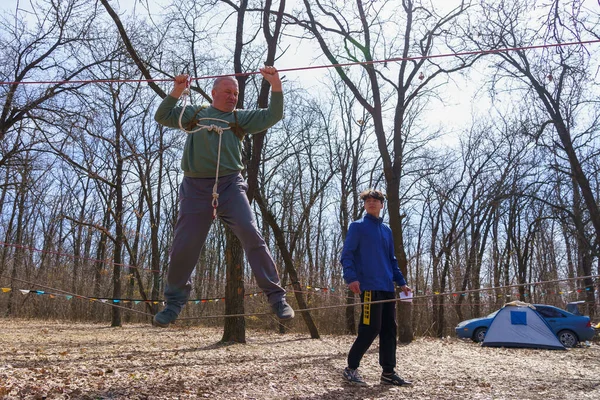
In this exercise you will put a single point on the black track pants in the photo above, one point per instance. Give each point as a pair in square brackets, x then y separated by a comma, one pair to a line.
[376, 319]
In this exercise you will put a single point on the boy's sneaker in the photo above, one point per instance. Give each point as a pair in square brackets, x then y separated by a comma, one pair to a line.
[394, 379]
[352, 376]
[283, 310]
[164, 318]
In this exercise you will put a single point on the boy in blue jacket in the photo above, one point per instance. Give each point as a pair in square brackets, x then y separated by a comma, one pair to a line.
[370, 269]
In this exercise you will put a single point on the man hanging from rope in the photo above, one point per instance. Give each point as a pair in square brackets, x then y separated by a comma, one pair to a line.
[213, 186]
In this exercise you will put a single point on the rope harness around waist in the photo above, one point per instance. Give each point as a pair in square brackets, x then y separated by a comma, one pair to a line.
[215, 128]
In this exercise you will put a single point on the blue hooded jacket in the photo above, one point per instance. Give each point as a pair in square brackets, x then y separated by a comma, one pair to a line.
[368, 255]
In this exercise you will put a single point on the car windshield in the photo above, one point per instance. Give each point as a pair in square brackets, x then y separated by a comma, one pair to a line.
[492, 315]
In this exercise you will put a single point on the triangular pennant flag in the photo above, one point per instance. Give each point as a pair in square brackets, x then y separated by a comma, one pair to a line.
[6, 289]
[24, 291]
[69, 297]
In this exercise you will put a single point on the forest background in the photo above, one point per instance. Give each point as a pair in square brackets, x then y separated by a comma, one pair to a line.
[489, 156]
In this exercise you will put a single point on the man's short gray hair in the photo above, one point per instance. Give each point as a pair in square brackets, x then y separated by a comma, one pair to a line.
[223, 79]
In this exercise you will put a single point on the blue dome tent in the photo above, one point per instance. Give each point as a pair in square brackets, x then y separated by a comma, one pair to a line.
[518, 324]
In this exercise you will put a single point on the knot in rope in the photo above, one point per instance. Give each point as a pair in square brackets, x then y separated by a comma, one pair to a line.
[214, 128]
[215, 200]
[209, 128]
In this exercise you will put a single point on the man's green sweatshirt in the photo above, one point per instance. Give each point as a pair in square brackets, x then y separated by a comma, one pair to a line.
[199, 158]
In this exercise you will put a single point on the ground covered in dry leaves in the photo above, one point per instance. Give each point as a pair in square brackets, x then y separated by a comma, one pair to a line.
[58, 360]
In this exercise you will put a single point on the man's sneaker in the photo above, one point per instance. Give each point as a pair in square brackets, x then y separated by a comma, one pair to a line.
[283, 310]
[394, 379]
[164, 318]
[352, 376]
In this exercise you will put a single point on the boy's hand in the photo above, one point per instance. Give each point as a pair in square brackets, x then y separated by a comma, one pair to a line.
[354, 287]
[405, 289]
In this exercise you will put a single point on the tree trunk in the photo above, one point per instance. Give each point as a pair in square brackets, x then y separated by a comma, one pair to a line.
[118, 250]
[584, 253]
[235, 327]
[350, 314]
[18, 254]
[289, 265]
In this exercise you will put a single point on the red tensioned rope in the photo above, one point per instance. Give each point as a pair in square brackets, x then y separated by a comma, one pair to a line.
[19, 246]
[395, 59]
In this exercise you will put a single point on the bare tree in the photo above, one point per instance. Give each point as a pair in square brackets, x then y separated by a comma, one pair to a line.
[554, 80]
[355, 32]
[350, 151]
[55, 49]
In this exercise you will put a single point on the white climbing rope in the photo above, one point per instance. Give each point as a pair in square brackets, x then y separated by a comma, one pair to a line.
[215, 128]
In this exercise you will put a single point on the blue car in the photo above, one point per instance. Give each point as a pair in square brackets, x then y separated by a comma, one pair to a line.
[569, 328]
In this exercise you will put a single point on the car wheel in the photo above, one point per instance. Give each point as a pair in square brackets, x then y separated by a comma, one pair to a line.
[568, 338]
[479, 334]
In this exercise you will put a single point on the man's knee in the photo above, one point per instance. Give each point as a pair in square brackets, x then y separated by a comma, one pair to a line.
[250, 237]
